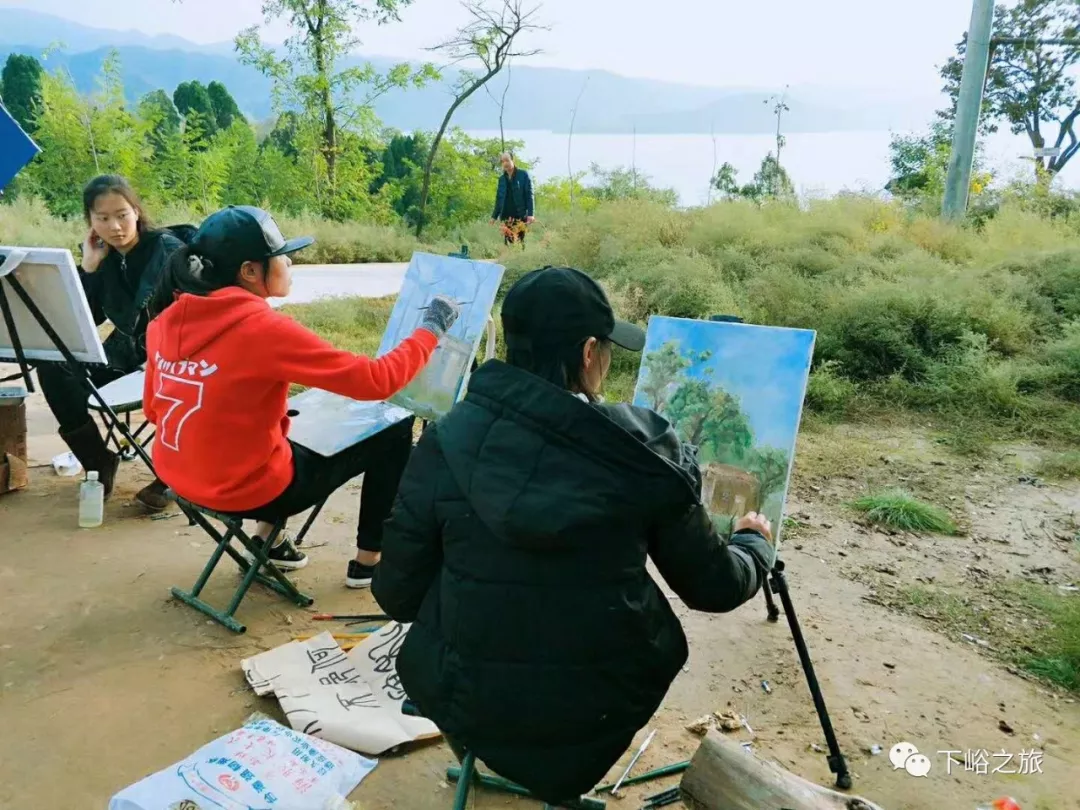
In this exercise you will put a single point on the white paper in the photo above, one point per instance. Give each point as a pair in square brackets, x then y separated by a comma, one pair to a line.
[352, 700]
[66, 465]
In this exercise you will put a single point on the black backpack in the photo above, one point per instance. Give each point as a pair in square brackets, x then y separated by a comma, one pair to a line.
[185, 233]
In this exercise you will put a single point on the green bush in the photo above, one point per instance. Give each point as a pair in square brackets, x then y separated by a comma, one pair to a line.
[976, 326]
[899, 510]
[889, 329]
[828, 392]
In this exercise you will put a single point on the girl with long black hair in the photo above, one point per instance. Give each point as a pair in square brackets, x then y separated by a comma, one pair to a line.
[123, 259]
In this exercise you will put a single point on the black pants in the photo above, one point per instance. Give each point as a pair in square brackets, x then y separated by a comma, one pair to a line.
[381, 458]
[66, 394]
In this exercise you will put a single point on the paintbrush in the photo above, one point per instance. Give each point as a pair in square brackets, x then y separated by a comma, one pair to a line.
[459, 303]
[633, 762]
[360, 617]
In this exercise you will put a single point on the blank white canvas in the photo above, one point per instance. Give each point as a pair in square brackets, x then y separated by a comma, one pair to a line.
[49, 277]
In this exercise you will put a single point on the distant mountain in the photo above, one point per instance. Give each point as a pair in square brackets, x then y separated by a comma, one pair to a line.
[21, 26]
[538, 99]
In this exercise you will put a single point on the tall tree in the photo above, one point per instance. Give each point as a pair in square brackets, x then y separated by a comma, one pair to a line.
[771, 182]
[920, 162]
[20, 89]
[311, 78]
[192, 99]
[161, 117]
[223, 105]
[780, 106]
[662, 370]
[1030, 86]
[81, 136]
[489, 38]
[285, 134]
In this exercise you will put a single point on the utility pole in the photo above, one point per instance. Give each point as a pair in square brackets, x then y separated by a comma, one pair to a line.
[968, 107]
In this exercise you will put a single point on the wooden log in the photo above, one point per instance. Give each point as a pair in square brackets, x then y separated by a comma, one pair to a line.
[724, 776]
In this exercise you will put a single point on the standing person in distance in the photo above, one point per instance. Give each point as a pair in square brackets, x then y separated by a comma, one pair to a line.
[514, 202]
[123, 259]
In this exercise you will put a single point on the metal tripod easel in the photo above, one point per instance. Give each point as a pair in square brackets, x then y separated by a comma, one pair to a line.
[776, 583]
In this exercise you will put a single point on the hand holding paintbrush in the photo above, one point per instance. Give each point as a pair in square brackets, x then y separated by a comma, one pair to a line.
[440, 314]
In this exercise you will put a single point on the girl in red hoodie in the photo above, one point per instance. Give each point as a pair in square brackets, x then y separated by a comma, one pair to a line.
[219, 365]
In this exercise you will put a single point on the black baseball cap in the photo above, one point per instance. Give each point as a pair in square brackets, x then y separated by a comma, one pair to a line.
[561, 305]
[243, 233]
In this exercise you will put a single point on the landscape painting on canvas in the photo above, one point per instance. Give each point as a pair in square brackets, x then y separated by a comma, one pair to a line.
[735, 392]
[473, 285]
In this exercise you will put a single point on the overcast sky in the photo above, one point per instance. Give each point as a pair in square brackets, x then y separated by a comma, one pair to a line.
[765, 43]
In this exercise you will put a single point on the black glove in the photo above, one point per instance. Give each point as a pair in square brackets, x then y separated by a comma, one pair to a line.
[440, 315]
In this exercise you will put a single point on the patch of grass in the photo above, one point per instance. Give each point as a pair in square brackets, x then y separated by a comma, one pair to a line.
[354, 324]
[954, 611]
[1046, 643]
[1061, 466]
[1054, 651]
[899, 510]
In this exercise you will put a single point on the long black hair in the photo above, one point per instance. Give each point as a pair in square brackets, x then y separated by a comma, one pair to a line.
[561, 364]
[115, 184]
[190, 271]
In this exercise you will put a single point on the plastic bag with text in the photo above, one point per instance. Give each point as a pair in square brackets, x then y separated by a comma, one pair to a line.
[261, 766]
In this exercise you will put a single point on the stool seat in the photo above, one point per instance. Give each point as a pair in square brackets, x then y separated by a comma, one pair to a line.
[466, 775]
[251, 569]
[124, 397]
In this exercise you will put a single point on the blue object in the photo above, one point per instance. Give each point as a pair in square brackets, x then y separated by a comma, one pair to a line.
[16, 148]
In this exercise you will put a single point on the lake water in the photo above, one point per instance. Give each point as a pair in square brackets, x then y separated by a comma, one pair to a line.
[819, 163]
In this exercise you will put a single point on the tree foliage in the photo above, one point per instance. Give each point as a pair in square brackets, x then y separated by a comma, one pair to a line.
[1030, 86]
[919, 164]
[679, 385]
[771, 182]
[330, 97]
[162, 118]
[20, 89]
[662, 369]
[193, 162]
[192, 99]
[223, 106]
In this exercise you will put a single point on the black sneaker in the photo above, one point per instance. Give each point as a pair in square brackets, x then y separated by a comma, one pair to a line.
[359, 575]
[284, 555]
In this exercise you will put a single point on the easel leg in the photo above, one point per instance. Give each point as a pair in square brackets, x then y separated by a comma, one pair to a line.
[76, 366]
[9, 322]
[837, 764]
[770, 603]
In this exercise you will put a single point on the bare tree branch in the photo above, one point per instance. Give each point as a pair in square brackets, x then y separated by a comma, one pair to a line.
[488, 38]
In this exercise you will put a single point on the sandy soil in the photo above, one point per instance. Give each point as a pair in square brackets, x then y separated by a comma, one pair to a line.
[104, 679]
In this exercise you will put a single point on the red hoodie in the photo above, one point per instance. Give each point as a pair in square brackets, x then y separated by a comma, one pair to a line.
[217, 381]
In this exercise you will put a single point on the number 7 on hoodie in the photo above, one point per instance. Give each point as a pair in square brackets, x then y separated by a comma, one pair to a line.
[180, 399]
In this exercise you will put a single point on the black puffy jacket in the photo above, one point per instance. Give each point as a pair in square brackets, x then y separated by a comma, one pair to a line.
[518, 547]
[120, 291]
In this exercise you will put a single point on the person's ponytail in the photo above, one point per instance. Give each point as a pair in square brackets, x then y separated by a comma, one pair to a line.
[188, 271]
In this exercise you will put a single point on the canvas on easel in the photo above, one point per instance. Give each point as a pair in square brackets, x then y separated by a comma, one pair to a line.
[328, 423]
[734, 391]
[49, 277]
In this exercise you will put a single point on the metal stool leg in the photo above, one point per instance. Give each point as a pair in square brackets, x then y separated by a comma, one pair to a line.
[468, 769]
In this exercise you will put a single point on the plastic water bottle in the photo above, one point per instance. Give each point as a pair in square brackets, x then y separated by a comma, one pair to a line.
[91, 502]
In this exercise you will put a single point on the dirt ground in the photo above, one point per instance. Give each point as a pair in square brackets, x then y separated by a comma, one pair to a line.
[104, 679]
